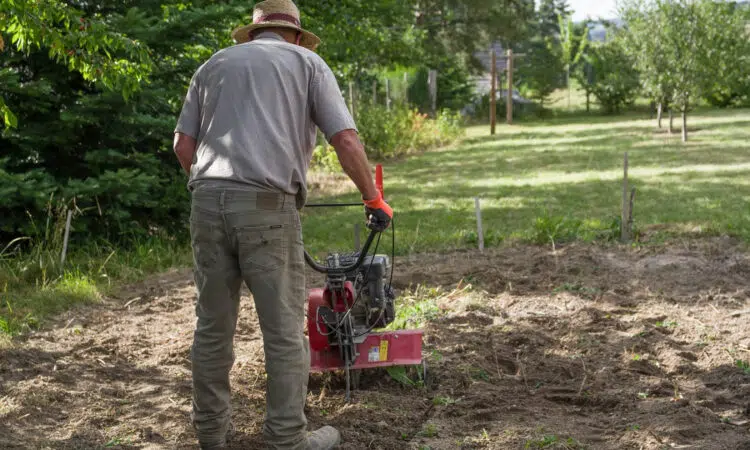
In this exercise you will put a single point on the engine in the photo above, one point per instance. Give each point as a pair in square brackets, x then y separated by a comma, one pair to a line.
[375, 307]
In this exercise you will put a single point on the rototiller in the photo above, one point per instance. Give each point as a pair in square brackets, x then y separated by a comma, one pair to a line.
[356, 300]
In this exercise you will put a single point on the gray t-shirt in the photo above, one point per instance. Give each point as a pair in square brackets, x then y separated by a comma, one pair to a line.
[254, 108]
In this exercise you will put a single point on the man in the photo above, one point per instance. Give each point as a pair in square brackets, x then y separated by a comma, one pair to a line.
[245, 136]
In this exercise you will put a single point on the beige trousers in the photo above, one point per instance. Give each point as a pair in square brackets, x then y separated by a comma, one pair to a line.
[251, 236]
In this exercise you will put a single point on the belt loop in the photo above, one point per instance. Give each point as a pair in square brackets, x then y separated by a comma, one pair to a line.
[221, 199]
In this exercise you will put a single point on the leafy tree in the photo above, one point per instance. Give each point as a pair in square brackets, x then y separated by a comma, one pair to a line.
[572, 47]
[677, 46]
[612, 79]
[734, 64]
[463, 27]
[584, 75]
[454, 86]
[86, 45]
[539, 72]
[648, 55]
[84, 146]
[360, 35]
[548, 17]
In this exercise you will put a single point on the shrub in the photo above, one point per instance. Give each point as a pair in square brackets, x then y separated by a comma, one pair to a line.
[388, 134]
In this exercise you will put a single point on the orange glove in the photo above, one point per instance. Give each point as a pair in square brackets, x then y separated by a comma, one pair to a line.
[378, 213]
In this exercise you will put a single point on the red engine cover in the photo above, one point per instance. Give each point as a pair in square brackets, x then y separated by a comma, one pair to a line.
[316, 327]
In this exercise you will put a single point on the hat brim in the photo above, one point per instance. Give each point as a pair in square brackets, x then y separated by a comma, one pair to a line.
[242, 34]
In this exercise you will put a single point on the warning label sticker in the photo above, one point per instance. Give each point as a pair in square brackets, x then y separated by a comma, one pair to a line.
[373, 355]
[383, 351]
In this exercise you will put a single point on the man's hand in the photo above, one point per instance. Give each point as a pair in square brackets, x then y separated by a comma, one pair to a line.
[379, 214]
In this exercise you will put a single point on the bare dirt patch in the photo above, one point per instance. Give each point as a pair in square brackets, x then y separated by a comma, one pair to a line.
[585, 347]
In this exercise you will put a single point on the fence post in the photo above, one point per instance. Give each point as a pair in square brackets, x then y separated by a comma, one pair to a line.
[493, 91]
[509, 101]
[624, 232]
[65, 239]
[432, 85]
[480, 232]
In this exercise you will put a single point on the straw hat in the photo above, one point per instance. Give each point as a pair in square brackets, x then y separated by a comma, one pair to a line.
[276, 13]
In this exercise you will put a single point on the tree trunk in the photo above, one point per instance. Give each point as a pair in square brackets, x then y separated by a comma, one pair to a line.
[671, 121]
[588, 102]
[684, 125]
[567, 82]
[658, 114]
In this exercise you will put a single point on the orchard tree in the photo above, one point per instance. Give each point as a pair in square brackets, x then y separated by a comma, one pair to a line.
[734, 65]
[647, 47]
[572, 47]
[539, 73]
[610, 75]
[693, 38]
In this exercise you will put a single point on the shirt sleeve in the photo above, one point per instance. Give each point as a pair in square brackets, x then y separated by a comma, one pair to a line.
[329, 110]
[189, 122]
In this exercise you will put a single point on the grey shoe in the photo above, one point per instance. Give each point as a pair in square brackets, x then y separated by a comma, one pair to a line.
[326, 438]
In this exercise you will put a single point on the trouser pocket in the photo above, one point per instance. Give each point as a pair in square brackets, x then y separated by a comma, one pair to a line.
[261, 248]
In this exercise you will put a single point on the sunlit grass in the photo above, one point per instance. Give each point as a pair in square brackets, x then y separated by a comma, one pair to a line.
[561, 168]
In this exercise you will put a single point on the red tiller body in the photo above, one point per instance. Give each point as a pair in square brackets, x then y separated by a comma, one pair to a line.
[390, 348]
[383, 349]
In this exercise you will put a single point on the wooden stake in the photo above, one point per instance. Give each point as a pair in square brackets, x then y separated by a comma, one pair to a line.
[630, 212]
[480, 233]
[624, 235]
[509, 105]
[493, 92]
[65, 239]
[432, 84]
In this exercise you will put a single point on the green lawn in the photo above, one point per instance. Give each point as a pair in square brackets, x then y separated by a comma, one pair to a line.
[535, 176]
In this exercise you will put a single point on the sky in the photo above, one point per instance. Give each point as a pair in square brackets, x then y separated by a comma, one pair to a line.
[595, 9]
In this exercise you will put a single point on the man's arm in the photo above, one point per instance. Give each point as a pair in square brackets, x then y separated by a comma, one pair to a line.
[184, 147]
[188, 126]
[330, 114]
[353, 159]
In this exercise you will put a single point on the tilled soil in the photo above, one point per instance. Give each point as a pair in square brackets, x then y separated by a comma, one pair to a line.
[580, 347]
